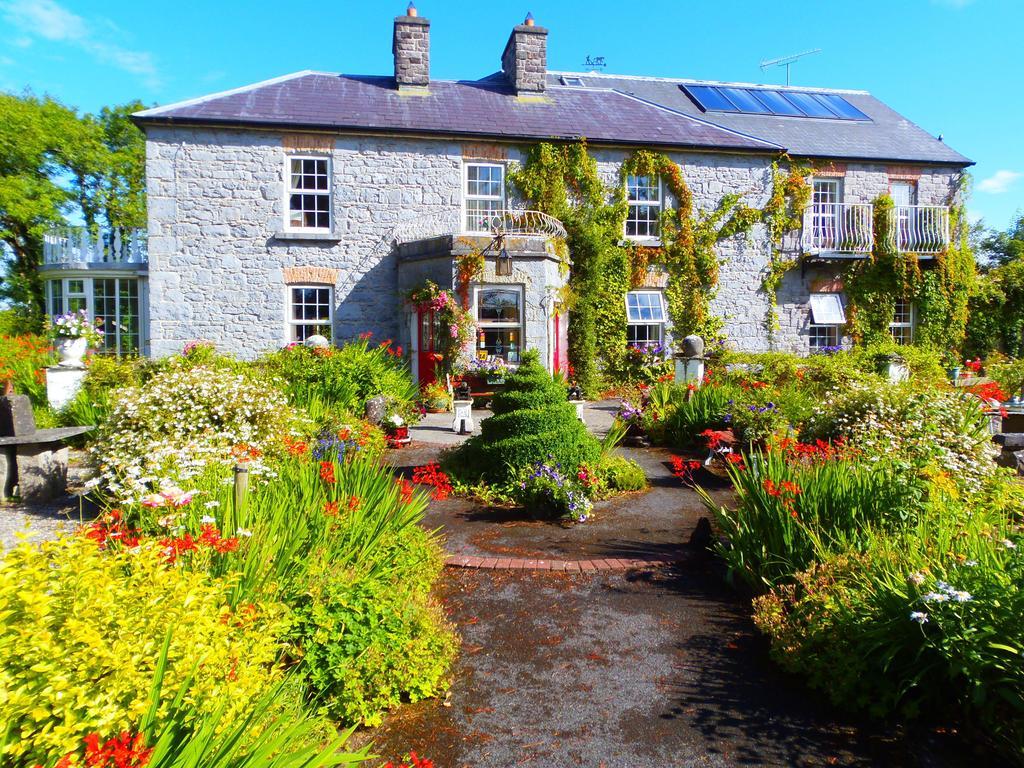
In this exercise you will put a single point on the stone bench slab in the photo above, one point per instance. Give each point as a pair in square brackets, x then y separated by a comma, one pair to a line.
[1010, 440]
[43, 436]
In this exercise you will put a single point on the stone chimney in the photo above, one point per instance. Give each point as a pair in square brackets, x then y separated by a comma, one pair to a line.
[411, 47]
[525, 59]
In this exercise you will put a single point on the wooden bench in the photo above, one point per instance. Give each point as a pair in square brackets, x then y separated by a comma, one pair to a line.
[33, 463]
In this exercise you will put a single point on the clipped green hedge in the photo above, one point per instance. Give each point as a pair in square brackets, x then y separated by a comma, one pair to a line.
[533, 421]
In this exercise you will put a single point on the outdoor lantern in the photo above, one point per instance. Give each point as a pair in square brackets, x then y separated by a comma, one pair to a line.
[504, 266]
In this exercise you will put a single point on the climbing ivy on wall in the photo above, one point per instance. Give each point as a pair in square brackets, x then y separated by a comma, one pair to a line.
[940, 294]
[563, 181]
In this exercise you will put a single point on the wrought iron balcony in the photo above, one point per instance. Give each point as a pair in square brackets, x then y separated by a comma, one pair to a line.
[919, 228]
[839, 228]
[77, 245]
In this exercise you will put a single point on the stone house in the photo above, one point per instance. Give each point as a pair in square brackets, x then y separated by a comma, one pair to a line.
[312, 202]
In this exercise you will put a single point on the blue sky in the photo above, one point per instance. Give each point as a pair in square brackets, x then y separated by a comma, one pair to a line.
[952, 66]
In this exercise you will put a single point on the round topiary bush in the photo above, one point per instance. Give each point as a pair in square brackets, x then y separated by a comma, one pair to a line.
[533, 421]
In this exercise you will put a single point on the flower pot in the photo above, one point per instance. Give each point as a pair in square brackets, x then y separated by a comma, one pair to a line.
[954, 373]
[71, 351]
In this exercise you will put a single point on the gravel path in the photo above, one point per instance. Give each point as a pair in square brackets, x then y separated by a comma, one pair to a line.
[39, 522]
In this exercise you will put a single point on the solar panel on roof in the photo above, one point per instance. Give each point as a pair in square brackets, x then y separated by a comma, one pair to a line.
[709, 98]
[745, 100]
[767, 101]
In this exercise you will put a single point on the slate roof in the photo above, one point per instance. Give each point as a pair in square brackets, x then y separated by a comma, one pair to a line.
[611, 109]
[888, 136]
[484, 108]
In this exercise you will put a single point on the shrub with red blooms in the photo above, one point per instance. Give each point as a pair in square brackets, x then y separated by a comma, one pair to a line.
[988, 391]
[414, 762]
[818, 451]
[111, 530]
[124, 751]
[431, 474]
[684, 469]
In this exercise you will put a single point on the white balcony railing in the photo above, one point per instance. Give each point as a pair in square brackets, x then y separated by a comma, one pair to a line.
[77, 245]
[919, 228]
[838, 228]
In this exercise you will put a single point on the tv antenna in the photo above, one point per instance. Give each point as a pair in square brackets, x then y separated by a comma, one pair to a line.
[786, 61]
[595, 62]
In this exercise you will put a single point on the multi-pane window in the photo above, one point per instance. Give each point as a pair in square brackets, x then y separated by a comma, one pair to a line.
[902, 325]
[643, 193]
[499, 320]
[645, 318]
[114, 300]
[484, 195]
[311, 311]
[309, 193]
[827, 320]
[825, 213]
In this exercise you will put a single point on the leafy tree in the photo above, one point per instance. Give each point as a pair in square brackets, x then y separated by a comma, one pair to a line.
[55, 164]
[1002, 248]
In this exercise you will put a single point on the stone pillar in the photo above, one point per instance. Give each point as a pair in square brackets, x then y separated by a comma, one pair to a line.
[411, 47]
[525, 58]
[62, 385]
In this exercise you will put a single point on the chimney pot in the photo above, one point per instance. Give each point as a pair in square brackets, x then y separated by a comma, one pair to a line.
[411, 10]
[529, 19]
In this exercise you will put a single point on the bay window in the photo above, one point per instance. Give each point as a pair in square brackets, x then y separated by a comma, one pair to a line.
[114, 300]
[499, 320]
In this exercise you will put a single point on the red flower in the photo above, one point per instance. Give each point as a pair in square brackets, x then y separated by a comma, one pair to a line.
[431, 474]
[327, 472]
[331, 509]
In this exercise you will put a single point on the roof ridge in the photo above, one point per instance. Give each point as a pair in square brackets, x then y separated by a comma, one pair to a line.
[676, 112]
[155, 111]
[692, 81]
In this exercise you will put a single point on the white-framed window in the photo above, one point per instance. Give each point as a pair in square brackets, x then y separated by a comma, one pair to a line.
[644, 195]
[827, 320]
[902, 325]
[826, 199]
[310, 311]
[114, 300]
[645, 318]
[309, 193]
[499, 321]
[483, 194]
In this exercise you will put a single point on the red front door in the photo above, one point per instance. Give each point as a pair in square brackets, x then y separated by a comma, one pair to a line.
[427, 351]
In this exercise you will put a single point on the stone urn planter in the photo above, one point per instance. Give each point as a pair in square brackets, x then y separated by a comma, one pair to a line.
[71, 351]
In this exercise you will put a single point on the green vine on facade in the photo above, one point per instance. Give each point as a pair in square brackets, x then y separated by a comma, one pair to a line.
[563, 181]
[783, 213]
[940, 294]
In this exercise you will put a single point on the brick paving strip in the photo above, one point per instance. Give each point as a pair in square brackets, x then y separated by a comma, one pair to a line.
[572, 566]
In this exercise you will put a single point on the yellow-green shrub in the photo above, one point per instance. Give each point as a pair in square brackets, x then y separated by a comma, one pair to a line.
[81, 631]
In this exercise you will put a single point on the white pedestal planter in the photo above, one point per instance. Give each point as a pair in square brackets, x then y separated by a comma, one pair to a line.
[579, 407]
[62, 385]
[71, 352]
[689, 370]
[463, 413]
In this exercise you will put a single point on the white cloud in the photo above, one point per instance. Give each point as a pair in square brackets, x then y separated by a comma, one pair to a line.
[999, 182]
[51, 21]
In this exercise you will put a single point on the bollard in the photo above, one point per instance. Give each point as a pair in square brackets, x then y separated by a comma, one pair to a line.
[241, 489]
[462, 428]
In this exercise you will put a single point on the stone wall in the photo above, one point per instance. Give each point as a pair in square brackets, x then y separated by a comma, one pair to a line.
[218, 253]
[525, 58]
[216, 215]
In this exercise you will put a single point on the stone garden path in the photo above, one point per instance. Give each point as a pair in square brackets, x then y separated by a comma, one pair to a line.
[655, 664]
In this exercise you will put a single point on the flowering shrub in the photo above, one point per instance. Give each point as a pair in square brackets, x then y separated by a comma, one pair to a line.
[456, 324]
[76, 325]
[648, 363]
[23, 361]
[342, 379]
[547, 492]
[183, 421]
[933, 431]
[81, 631]
[431, 474]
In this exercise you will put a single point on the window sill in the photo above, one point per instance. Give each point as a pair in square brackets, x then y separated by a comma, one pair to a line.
[643, 242]
[330, 237]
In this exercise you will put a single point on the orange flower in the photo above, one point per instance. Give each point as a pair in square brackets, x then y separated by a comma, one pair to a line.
[331, 509]
[327, 472]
